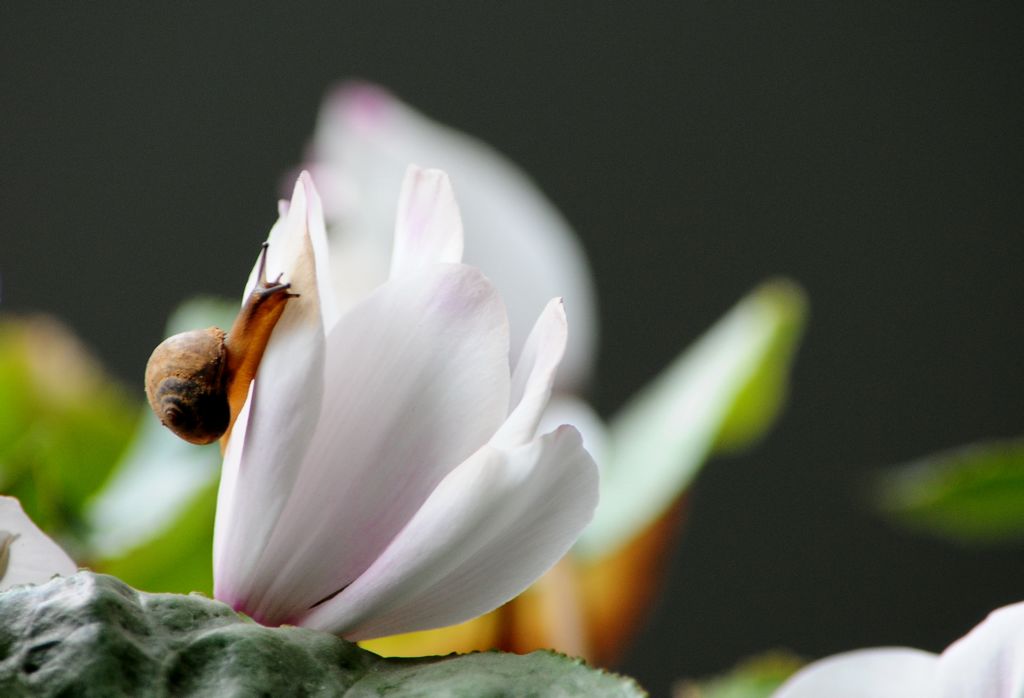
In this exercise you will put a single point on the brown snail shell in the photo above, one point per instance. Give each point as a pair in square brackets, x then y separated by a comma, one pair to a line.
[186, 383]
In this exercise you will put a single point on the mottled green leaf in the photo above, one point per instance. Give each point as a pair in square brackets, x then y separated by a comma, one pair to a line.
[92, 635]
[973, 494]
[755, 678]
[725, 389]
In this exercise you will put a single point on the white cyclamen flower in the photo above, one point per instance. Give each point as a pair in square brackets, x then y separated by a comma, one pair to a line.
[651, 449]
[27, 555]
[364, 139]
[988, 662]
[384, 475]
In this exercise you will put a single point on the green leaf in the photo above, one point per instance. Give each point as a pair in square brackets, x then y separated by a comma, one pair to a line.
[973, 494]
[724, 390]
[152, 524]
[92, 635]
[155, 515]
[759, 401]
[541, 673]
[200, 312]
[758, 677]
[63, 423]
[178, 559]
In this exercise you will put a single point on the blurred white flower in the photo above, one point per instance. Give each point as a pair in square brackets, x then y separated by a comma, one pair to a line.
[27, 555]
[364, 140]
[988, 662]
[383, 475]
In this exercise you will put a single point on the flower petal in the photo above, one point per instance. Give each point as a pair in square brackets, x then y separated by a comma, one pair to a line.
[988, 662]
[280, 415]
[416, 379]
[27, 555]
[565, 409]
[492, 527]
[428, 229]
[886, 672]
[300, 223]
[519, 239]
[533, 377]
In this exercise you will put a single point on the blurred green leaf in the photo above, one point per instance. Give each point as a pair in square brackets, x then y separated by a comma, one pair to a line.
[201, 311]
[152, 525]
[63, 424]
[180, 558]
[759, 401]
[726, 389]
[973, 494]
[755, 678]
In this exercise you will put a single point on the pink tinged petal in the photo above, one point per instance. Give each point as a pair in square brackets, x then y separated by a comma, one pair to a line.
[278, 420]
[27, 555]
[516, 236]
[428, 229]
[888, 672]
[533, 377]
[359, 264]
[491, 528]
[416, 380]
[300, 225]
[988, 662]
[317, 230]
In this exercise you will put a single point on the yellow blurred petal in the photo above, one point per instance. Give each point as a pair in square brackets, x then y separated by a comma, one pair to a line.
[548, 615]
[477, 634]
[618, 588]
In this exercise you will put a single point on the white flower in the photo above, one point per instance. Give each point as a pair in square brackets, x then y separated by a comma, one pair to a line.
[27, 555]
[988, 662]
[383, 475]
[651, 449]
[363, 142]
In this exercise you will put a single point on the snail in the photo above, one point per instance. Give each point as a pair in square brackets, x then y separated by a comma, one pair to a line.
[197, 381]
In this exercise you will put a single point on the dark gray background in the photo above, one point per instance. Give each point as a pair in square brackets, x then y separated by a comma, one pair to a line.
[871, 151]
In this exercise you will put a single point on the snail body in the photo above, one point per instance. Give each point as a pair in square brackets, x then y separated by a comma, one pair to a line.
[197, 381]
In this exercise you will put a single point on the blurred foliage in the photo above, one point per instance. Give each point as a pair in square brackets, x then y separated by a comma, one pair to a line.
[94, 469]
[758, 402]
[757, 677]
[179, 558]
[152, 525]
[724, 391]
[973, 494]
[64, 423]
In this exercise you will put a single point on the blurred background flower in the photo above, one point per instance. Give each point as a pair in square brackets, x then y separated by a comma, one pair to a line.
[987, 662]
[870, 152]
